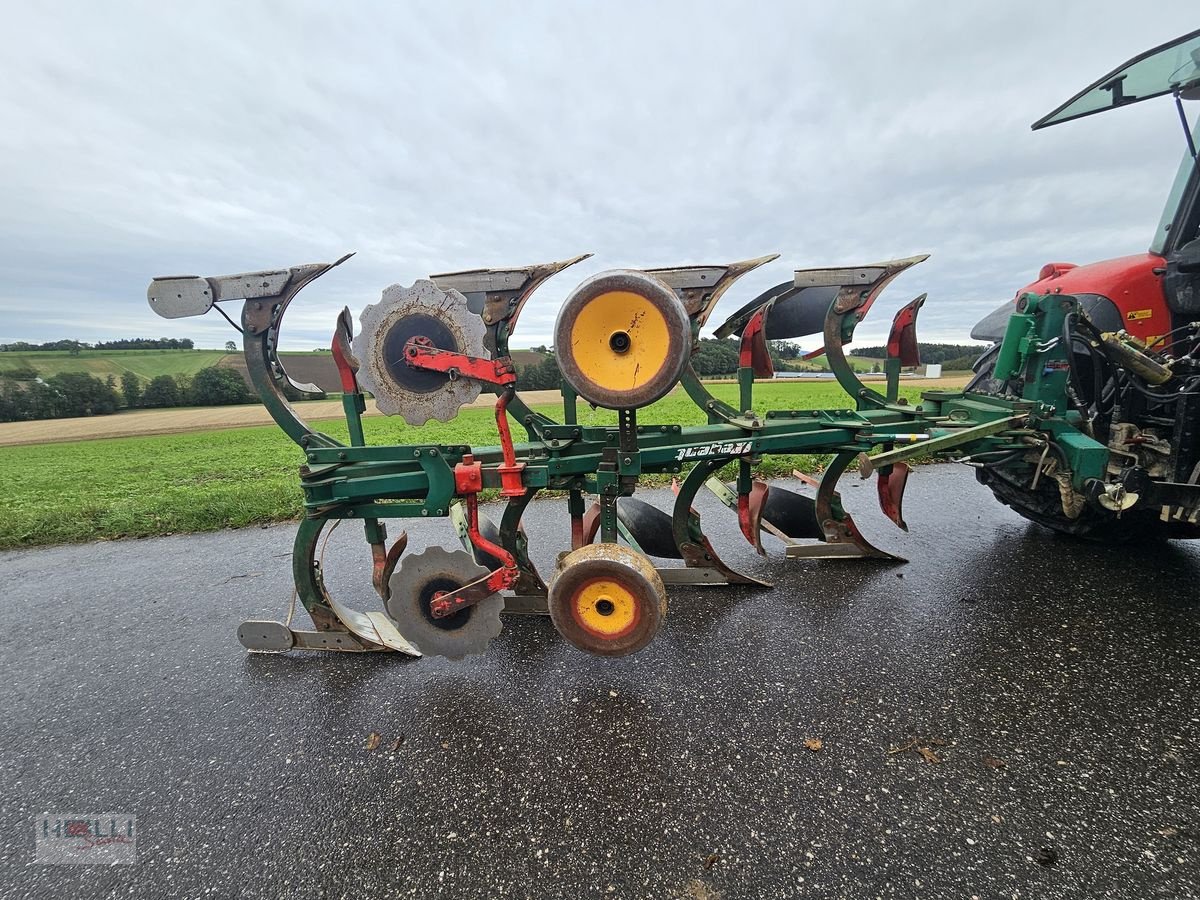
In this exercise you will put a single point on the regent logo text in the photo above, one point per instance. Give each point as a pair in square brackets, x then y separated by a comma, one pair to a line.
[716, 448]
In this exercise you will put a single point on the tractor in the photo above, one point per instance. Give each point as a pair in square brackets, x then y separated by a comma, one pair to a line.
[1135, 341]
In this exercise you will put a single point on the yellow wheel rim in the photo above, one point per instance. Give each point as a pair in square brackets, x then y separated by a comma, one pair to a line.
[620, 341]
[605, 608]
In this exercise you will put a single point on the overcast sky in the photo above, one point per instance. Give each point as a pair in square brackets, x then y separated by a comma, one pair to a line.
[142, 139]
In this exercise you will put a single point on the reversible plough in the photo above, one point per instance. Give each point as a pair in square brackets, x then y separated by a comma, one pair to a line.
[623, 340]
[1083, 416]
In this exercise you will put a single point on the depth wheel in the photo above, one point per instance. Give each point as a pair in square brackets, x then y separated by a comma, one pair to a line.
[622, 339]
[607, 599]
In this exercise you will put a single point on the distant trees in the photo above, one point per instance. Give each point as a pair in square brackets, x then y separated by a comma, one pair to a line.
[80, 394]
[230, 347]
[931, 353]
[74, 347]
[70, 394]
[131, 389]
[60, 396]
[785, 350]
[542, 376]
[715, 357]
[711, 359]
[218, 386]
[163, 390]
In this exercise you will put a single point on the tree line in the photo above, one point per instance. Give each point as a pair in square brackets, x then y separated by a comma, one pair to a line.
[712, 359]
[930, 353]
[72, 394]
[123, 344]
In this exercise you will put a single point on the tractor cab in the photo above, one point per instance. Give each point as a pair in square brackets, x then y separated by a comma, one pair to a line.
[1147, 294]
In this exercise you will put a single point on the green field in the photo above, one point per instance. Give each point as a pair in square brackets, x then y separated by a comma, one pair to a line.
[101, 489]
[821, 363]
[102, 363]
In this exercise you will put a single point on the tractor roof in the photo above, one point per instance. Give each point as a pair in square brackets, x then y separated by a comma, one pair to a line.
[1161, 70]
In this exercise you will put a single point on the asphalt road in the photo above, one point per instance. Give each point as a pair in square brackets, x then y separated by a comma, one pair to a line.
[1055, 682]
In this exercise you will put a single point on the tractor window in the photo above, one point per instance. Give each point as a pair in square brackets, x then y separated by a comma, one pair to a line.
[1151, 74]
[1182, 204]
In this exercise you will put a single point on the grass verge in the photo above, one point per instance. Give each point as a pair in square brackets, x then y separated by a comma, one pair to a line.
[142, 486]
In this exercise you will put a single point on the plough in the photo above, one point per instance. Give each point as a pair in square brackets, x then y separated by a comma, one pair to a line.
[1072, 420]
[623, 340]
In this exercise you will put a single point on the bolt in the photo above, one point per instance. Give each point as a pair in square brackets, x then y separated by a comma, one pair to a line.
[628, 460]
[341, 454]
[416, 453]
[424, 512]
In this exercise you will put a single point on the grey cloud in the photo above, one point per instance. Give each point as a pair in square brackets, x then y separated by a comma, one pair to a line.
[150, 138]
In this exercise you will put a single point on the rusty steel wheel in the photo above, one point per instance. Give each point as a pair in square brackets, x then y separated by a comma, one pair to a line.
[622, 339]
[607, 599]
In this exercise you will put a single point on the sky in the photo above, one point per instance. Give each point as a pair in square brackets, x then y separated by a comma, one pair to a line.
[144, 139]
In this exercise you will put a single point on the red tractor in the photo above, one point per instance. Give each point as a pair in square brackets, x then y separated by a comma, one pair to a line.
[1135, 345]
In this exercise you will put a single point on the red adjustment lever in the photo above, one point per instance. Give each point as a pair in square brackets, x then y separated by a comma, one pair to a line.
[420, 353]
[511, 471]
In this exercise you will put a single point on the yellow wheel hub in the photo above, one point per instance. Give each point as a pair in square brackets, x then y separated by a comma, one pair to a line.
[605, 608]
[620, 340]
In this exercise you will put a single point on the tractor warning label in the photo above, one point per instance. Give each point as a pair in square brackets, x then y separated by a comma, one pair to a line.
[1135, 315]
[716, 448]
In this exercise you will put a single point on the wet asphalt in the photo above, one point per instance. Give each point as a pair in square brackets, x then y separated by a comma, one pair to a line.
[1053, 685]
